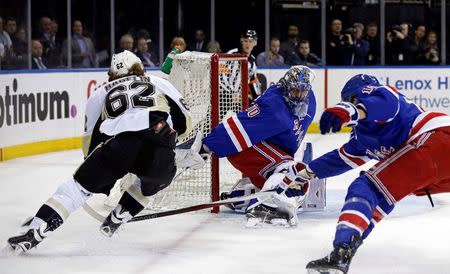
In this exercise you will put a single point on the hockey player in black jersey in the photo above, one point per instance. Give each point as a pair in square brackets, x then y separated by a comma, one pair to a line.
[132, 123]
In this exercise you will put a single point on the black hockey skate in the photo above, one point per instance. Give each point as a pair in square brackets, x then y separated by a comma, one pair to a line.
[338, 261]
[114, 220]
[265, 214]
[28, 240]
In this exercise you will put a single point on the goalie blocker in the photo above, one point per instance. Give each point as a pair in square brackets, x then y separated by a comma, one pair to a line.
[315, 199]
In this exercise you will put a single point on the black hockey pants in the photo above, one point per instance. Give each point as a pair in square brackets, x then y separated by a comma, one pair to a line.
[145, 153]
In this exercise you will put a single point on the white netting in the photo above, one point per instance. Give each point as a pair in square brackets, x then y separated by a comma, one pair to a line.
[191, 75]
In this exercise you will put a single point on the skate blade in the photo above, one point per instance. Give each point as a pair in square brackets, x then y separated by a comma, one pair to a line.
[16, 249]
[277, 222]
[106, 231]
[27, 221]
[324, 271]
[254, 223]
[7, 250]
[19, 250]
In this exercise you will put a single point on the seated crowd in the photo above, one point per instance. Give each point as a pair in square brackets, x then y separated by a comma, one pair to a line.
[356, 45]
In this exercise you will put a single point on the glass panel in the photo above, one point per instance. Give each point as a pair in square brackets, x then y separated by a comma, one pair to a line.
[195, 27]
[49, 25]
[13, 35]
[90, 33]
[295, 22]
[353, 33]
[413, 33]
[233, 17]
[138, 20]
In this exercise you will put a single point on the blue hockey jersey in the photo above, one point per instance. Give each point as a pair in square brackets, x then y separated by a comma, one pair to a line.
[268, 119]
[391, 121]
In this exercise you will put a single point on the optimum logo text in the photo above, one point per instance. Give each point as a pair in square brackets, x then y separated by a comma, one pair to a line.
[19, 108]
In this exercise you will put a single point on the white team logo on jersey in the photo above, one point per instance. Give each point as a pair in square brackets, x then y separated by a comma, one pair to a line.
[380, 154]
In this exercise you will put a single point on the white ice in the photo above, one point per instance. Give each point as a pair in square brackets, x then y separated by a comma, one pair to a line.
[414, 239]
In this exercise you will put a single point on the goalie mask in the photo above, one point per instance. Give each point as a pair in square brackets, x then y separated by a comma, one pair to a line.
[121, 63]
[296, 84]
[356, 84]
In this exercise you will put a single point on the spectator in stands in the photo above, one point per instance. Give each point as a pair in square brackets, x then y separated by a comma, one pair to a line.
[143, 33]
[36, 54]
[83, 51]
[289, 46]
[55, 37]
[126, 43]
[52, 50]
[356, 48]
[335, 44]
[213, 47]
[143, 54]
[6, 49]
[54, 27]
[20, 46]
[5, 39]
[20, 49]
[398, 45]
[43, 33]
[178, 45]
[11, 27]
[53, 55]
[2, 55]
[303, 56]
[373, 56]
[200, 42]
[429, 53]
[417, 43]
[272, 57]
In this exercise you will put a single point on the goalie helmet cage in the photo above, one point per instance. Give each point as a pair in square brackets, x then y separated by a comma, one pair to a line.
[214, 86]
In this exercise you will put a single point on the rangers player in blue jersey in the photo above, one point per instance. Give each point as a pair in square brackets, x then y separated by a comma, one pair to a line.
[261, 142]
[412, 147]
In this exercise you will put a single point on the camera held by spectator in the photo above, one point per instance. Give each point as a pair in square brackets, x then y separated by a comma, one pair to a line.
[395, 28]
[350, 30]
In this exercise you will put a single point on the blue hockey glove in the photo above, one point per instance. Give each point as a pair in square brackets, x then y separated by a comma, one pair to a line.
[335, 117]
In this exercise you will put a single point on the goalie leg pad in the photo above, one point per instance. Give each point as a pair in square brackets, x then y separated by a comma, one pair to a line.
[278, 209]
[243, 187]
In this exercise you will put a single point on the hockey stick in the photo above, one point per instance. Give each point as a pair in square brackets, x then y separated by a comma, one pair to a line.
[264, 195]
[92, 211]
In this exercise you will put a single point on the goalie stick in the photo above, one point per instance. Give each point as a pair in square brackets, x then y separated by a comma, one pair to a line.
[264, 195]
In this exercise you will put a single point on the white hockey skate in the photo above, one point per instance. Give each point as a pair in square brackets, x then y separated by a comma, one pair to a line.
[263, 214]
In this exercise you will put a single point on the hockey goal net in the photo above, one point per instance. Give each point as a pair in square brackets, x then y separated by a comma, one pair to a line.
[214, 86]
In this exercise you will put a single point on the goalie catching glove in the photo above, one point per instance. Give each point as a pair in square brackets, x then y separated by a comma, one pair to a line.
[296, 179]
[191, 153]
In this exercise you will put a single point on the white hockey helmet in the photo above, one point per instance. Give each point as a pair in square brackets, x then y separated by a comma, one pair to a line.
[122, 62]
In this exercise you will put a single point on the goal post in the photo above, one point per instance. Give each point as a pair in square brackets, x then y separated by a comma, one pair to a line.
[219, 70]
[214, 86]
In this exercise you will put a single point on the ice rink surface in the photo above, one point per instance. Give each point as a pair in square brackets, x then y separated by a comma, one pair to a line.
[414, 239]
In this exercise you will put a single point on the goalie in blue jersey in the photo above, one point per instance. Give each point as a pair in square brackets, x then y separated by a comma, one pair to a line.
[261, 142]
